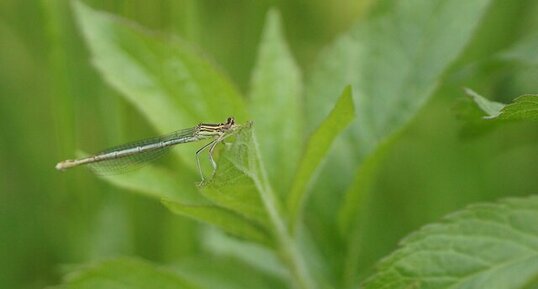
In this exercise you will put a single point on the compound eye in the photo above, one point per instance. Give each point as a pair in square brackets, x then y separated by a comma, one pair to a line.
[230, 120]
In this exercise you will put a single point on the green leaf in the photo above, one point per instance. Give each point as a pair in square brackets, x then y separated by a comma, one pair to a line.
[231, 188]
[316, 150]
[471, 121]
[172, 85]
[256, 256]
[394, 62]
[241, 166]
[185, 200]
[524, 107]
[166, 79]
[492, 108]
[158, 183]
[275, 104]
[484, 246]
[359, 189]
[225, 273]
[240, 178]
[125, 273]
[224, 219]
[240, 182]
[236, 182]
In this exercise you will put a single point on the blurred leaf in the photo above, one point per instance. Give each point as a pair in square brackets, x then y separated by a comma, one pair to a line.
[484, 246]
[524, 107]
[125, 273]
[256, 256]
[185, 200]
[225, 273]
[397, 61]
[158, 183]
[316, 150]
[358, 191]
[222, 218]
[471, 117]
[112, 235]
[169, 81]
[492, 108]
[523, 51]
[275, 104]
[394, 62]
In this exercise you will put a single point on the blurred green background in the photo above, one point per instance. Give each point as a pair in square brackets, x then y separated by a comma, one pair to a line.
[52, 102]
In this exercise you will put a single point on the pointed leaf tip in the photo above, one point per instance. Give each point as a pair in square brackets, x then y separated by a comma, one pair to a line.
[316, 150]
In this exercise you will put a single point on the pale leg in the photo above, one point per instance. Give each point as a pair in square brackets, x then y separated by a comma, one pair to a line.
[198, 158]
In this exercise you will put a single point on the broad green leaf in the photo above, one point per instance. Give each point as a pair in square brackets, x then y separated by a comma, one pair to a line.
[185, 200]
[166, 79]
[316, 150]
[484, 246]
[524, 107]
[173, 86]
[275, 104]
[394, 61]
[523, 51]
[125, 273]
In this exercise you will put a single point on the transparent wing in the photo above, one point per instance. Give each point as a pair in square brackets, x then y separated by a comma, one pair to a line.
[126, 164]
[135, 161]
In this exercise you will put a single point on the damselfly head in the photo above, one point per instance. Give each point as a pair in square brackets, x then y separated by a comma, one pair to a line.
[230, 121]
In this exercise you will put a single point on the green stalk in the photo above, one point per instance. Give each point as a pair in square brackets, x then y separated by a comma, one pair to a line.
[288, 250]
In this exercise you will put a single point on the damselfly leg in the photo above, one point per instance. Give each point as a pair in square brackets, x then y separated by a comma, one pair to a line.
[198, 158]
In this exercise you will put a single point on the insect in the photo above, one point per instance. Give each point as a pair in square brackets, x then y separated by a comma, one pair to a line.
[128, 156]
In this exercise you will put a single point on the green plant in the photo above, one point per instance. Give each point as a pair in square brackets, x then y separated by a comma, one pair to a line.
[388, 67]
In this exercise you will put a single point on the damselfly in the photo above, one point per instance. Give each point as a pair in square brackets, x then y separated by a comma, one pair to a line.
[129, 156]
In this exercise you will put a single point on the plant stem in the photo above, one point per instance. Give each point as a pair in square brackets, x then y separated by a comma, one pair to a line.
[288, 250]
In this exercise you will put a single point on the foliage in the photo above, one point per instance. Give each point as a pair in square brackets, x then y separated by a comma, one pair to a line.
[524, 107]
[337, 158]
[483, 246]
[122, 273]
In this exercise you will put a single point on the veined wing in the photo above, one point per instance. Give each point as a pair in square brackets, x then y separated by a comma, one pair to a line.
[131, 156]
